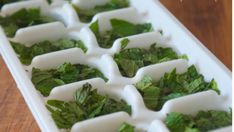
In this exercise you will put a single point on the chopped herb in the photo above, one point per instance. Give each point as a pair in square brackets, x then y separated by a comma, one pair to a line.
[95, 28]
[202, 122]
[87, 104]
[185, 57]
[132, 59]
[87, 15]
[120, 28]
[124, 43]
[125, 127]
[22, 18]
[45, 81]
[173, 85]
[26, 54]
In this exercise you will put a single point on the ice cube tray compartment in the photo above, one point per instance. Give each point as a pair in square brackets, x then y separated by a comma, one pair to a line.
[127, 93]
[84, 4]
[62, 13]
[74, 56]
[144, 41]
[99, 124]
[128, 14]
[175, 36]
[210, 99]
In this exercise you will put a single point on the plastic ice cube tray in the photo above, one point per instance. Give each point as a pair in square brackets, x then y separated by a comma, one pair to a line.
[119, 87]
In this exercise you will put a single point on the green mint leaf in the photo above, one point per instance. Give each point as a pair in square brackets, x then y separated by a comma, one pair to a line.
[124, 28]
[83, 94]
[87, 15]
[112, 106]
[129, 67]
[173, 85]
[95, 28]
[22, 18]
[144, 83]
[125, 127]
[131, 59]
[46, 80]
[213, 85]
[143, 28]
[202, 122]
[124, 43]
[151, 97]
[10, 29]
[149, 92]
[26, 54]
[65, 114]
[47, 85]
[185, 57]
[193, 86]
[177, 122]
[81, 45]
[120, 28]
[87, 104]
[188, 129]
[192, 71]
[98, 109]
[209, 120]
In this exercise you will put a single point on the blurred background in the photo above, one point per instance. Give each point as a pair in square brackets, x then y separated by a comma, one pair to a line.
[209, 20]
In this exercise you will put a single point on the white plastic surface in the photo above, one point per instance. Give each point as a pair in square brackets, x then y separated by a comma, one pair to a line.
[118, 87]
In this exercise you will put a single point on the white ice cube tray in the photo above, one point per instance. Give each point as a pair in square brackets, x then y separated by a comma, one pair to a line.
[119, 87]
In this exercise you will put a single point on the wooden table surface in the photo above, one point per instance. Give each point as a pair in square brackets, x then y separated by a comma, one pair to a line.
[209, 20]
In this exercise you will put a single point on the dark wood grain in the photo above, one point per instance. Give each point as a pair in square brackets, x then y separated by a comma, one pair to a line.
[14, 113]
[208, 20]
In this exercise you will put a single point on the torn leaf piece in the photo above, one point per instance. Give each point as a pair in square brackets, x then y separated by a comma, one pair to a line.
[87, 104]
